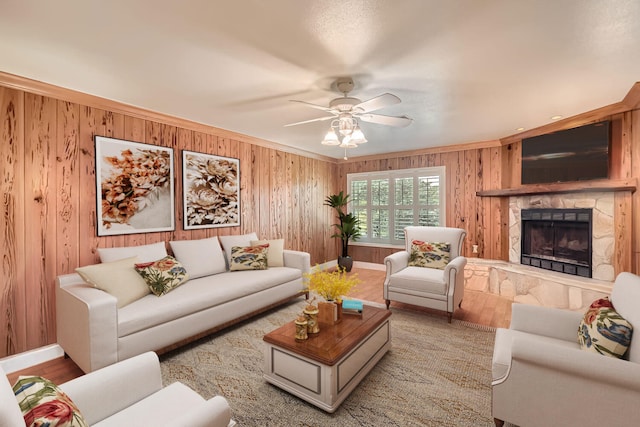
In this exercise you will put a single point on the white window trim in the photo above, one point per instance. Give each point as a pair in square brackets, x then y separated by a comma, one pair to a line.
[391, 175]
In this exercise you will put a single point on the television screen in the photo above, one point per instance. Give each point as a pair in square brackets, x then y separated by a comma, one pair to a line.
[576, 154]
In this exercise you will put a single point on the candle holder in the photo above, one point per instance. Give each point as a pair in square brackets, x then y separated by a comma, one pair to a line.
[311, 313]
[301, 328]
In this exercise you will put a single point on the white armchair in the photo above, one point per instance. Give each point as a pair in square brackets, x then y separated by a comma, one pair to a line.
[130, 393]
[427, 287]
[541, 377]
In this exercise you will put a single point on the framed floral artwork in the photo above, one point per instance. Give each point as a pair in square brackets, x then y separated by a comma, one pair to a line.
[134, 187]
[211, 190]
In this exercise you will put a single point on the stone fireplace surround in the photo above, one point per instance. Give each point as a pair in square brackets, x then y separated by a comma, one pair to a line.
[535, 286]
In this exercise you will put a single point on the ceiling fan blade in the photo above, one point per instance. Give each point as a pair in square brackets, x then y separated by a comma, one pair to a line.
[319, 107]
[320, 119]
[376, 103]
[386, 120]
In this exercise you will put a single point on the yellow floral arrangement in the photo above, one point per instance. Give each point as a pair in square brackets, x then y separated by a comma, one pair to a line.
[331, 285]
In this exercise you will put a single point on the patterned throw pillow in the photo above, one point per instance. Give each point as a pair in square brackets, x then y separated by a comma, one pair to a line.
[249, 258]
[163, 275]
[604, 331]
[44, 404]
[429, 254]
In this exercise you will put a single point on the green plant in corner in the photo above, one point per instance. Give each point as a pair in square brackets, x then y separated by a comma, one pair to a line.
[347, 228]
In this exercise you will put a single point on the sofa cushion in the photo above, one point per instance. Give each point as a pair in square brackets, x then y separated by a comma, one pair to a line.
[602, 330]
[229, 242]
[429, 254]
[200, 294]
[249, 258]
[275, 257]
[164, 275]
[118, 278]
[145, 253]
[199, 257]
[419, 280]
[44, 404]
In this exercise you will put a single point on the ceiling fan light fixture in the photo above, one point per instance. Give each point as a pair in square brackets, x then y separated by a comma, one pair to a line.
[348, 143]
[357, 137]
[331, 138]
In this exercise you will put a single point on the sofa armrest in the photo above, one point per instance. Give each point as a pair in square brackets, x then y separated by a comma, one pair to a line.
[297, 259]
[215, 412]
[109, 390]
[546, 321]
[86, 323]
[396, 262]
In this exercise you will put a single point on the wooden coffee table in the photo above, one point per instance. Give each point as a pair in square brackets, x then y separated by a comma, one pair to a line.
[324, 369]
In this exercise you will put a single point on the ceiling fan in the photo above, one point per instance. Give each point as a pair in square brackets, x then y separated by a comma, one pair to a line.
[345, 111]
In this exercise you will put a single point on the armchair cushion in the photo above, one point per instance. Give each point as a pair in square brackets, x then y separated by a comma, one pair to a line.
[604, 331]
[429, 254]
[43, 404]
[420, 279]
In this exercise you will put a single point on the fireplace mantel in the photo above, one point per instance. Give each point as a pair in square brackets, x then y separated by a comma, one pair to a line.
[629, 184]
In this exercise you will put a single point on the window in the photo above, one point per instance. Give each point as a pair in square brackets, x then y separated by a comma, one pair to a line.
[386, 202]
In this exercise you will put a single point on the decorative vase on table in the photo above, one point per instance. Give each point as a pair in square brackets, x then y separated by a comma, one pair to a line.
[329, 312]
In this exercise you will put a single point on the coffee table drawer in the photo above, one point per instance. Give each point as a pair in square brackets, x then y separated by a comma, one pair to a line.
[296, 370]
[362, 355]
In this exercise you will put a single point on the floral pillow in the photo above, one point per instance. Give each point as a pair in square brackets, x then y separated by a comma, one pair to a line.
[44, 404]
[429, 254]
[249, 258]
[164, 275]
[602, 330]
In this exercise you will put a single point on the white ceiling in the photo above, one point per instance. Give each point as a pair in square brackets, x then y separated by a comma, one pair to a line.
[466, 70]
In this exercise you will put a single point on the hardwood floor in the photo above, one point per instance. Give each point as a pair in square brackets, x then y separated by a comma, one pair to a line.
[477, 307]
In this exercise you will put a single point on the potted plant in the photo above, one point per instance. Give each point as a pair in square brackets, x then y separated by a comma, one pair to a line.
[348, 227]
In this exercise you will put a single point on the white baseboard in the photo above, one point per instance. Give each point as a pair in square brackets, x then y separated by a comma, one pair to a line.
[20, 361]
[369, 265]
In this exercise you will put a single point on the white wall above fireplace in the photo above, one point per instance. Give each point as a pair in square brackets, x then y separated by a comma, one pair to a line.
[603, 244]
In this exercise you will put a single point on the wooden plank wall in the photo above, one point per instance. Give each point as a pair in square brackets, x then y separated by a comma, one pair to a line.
[48, 220]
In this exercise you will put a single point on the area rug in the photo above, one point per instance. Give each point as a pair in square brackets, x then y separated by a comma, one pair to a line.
[436, 374]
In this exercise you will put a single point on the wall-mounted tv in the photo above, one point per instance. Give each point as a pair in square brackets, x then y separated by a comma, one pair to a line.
[576, 154]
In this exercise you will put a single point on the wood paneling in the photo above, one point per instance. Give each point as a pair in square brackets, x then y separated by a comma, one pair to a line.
[48, 220]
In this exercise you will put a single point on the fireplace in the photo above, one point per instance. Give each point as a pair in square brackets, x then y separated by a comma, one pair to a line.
[557, 240]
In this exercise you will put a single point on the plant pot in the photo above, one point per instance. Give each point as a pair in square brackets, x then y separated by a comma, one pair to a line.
[329, 312]
[345, 262]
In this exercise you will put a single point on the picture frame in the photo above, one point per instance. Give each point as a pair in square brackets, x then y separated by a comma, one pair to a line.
[211, 190]
[134, 187]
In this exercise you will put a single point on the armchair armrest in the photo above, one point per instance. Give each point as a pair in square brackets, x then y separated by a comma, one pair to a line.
[546, 321]
[215, 412]
[396, 262]
[109, 390]
[297, 259]
[86, 323]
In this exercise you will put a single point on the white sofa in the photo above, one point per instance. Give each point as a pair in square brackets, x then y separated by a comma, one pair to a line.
[95, 333]
[129, 393]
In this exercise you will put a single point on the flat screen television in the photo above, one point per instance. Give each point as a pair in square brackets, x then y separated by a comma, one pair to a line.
[577, 154]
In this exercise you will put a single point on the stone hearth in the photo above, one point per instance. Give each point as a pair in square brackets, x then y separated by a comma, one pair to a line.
[531, 285]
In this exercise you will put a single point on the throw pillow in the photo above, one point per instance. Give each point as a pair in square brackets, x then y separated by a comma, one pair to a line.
[228, 242]
[602, 330]
[44, 404]
[249, 258]
[275, 257]
[201, 257]
[164, 275]
[146, 253]
[117, 278]
[429, 254]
